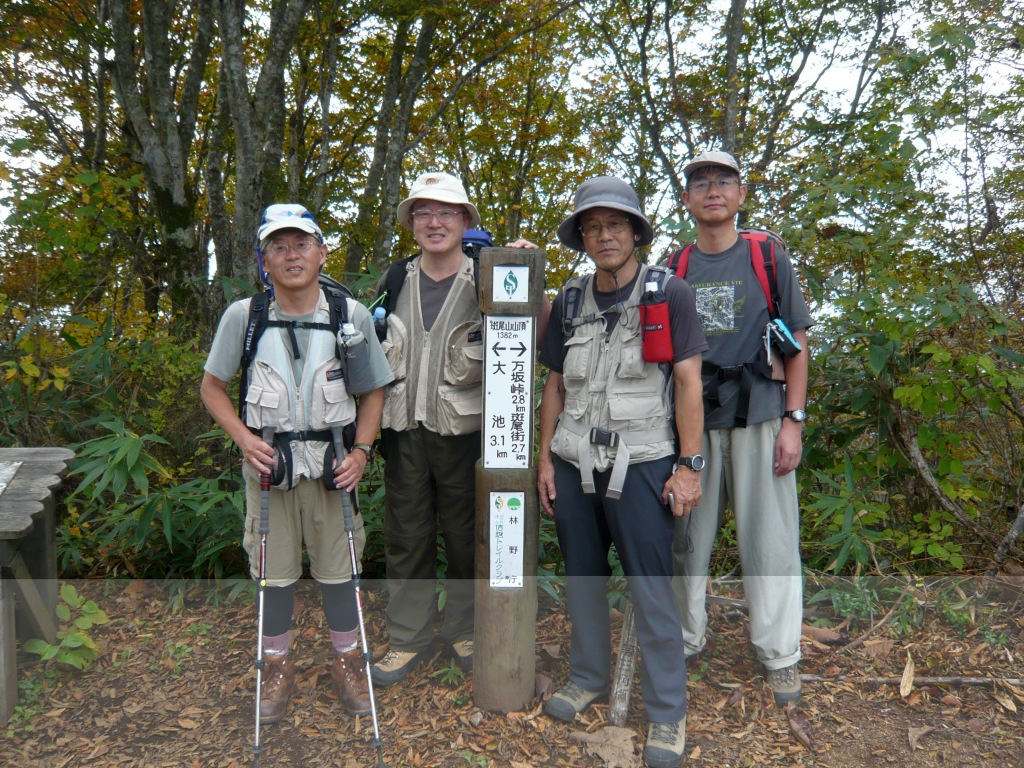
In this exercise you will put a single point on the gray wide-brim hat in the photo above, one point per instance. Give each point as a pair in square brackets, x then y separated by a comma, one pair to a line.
[604, 192]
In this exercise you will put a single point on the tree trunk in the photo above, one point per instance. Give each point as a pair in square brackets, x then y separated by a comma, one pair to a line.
[362, 229]
[733, 38]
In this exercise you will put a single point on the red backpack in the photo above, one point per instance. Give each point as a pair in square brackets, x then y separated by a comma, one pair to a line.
[762, 257]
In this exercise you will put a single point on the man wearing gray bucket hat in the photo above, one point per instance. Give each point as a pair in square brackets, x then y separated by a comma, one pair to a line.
[608, 468]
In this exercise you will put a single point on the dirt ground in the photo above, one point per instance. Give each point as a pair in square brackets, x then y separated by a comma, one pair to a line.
[174, 687]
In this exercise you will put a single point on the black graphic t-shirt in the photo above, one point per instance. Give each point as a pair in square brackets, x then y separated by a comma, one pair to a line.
[734, 311]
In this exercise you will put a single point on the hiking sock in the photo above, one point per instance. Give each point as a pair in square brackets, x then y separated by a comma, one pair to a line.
[277, 645]
[344, 642]
[340, 606]
[278, 603]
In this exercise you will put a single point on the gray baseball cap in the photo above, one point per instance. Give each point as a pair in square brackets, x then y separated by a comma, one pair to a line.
[604, 192]
[711, 158]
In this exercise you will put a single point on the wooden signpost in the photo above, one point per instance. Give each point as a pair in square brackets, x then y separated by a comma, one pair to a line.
[507, 508]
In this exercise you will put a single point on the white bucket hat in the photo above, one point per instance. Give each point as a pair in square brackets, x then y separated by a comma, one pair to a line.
[442, 187]
[287, 216]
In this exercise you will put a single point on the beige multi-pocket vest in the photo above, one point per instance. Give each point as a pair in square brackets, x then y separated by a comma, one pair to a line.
[438, 374]
[315, 403]
[618, 408]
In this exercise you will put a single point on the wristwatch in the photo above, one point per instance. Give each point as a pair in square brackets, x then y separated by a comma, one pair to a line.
[365, 448]
[695, 462]
[798, 415]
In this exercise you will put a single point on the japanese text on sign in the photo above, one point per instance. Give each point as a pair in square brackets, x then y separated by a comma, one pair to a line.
[507, 513]
[508, 407]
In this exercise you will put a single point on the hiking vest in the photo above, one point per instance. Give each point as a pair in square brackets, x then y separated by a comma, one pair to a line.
[438, 375]
[301, 412]
[618, 408]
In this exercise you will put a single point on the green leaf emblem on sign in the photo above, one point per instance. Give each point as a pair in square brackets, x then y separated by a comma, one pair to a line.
[511, 284]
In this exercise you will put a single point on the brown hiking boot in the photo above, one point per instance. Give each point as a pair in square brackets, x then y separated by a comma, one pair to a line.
[349, 678]
[278, 687]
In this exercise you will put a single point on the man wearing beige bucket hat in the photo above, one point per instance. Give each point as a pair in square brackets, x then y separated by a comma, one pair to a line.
[431, 425]
[608, 467]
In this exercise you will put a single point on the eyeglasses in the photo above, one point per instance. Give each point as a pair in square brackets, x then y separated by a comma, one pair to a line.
[303, 248]
[444, 216]
[614, 227]
[721, 185]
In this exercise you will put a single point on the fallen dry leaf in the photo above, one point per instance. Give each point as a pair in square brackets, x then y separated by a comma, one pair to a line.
[189, 724]
[878, 647]
[821, 634]
[799, 726]
[516, 764]
[543, 688]
[381, 652]
[696, 753]
[1006, 701]
[952, 701]
[907, 683]
[974, 725]
[914, 698]
[914, 734]
[553, 650]
[612, 744]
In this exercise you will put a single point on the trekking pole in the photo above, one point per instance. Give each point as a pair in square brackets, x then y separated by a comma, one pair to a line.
[350, 529]
[268, 438]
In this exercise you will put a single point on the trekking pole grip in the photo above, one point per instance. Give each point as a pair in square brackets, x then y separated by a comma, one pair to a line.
[346, 500]
[268, 438]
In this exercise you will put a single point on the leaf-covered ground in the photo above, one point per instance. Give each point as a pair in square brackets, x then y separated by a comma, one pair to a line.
[174, 687]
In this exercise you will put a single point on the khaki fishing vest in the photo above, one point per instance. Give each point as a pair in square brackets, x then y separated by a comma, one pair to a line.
[618, 408]
[438, 375]
[316, 403]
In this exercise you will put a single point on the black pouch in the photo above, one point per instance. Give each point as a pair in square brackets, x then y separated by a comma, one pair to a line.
[348, 439]
[281, 475]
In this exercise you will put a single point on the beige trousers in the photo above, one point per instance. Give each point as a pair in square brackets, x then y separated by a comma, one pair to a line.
[739, 473]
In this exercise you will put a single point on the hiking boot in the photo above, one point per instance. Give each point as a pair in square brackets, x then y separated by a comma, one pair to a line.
[464, 654]
[348, 675]
[665, 744]
[570, 701]
[785, 684]
[396, 665]
[277, 688]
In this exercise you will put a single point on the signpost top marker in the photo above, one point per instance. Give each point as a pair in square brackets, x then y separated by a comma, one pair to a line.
[512, 281]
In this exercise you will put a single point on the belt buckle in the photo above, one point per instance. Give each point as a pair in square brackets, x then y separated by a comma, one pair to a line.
[600, 436]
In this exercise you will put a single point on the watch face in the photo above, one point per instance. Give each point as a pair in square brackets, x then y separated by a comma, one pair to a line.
[799, 414]
[697, 463]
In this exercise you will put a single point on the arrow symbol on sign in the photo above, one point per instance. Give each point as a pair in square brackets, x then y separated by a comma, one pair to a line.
[521, 348]
[498, 349]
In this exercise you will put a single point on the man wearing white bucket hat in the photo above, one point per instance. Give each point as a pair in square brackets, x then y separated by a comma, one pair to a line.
[431, 425]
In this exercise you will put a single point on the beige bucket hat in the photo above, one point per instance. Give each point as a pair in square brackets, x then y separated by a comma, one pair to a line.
[442, 187]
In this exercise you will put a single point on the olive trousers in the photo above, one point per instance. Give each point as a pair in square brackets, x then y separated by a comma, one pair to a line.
[429, 481]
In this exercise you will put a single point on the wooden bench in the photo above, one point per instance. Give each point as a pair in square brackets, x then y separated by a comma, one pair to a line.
[28, 555]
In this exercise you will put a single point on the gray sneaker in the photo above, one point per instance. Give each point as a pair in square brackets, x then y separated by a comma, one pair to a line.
[570, 701]
[666, 743]
[785, 684]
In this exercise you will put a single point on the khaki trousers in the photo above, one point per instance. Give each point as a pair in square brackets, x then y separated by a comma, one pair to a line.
[739, 473]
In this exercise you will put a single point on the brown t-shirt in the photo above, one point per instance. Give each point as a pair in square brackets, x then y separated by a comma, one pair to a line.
[687, 334]
[432, 297]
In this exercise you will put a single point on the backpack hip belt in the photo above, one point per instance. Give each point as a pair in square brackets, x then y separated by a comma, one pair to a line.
[619, 440]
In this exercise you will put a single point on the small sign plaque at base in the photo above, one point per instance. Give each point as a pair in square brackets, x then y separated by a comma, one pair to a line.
[507, 515]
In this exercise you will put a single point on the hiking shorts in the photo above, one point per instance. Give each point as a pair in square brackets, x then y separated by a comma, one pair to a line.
[309, 514]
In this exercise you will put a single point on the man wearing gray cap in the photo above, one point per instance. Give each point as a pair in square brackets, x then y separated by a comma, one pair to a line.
[608, 469]
[755, 377]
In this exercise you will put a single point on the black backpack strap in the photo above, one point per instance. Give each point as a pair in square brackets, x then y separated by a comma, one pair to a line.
[259, 313]
[394, 279]
[338, 304]
[572, 304]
